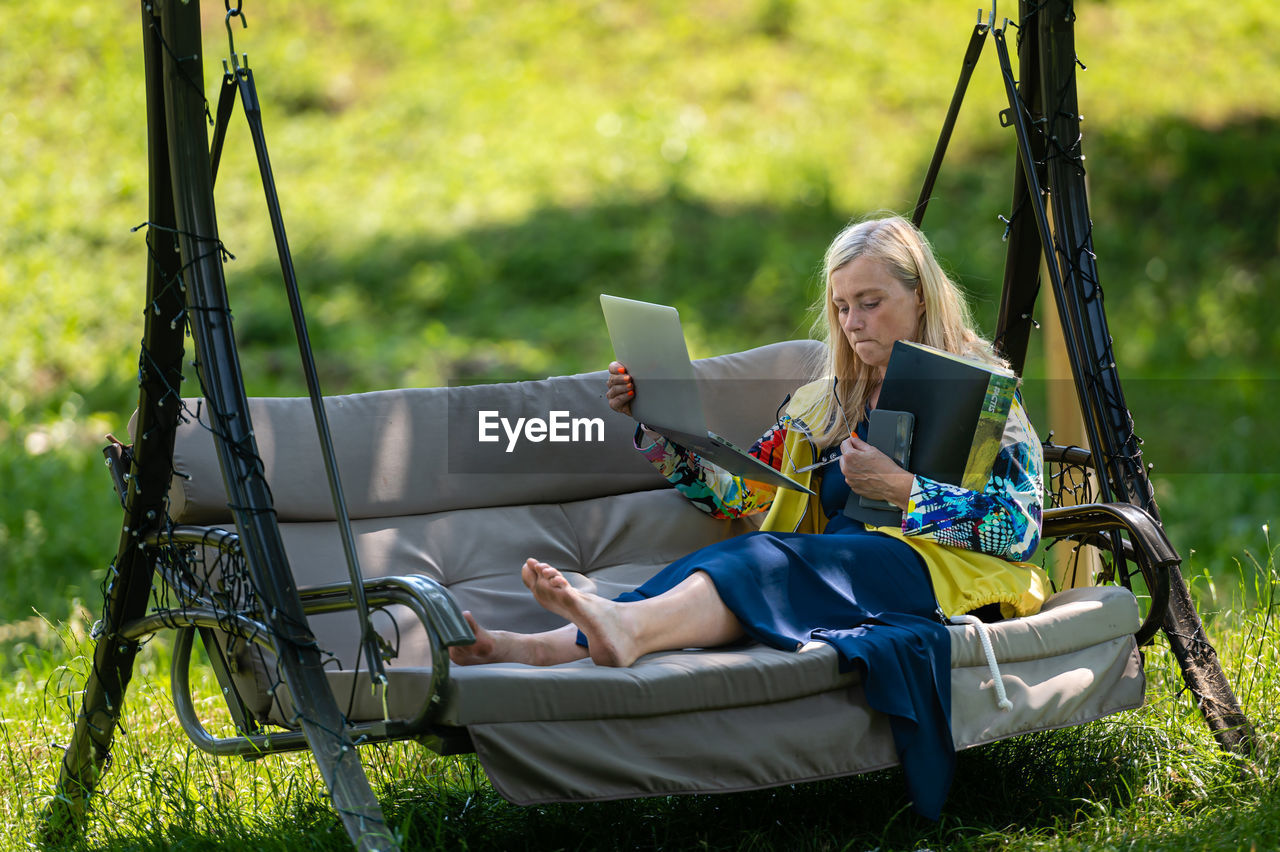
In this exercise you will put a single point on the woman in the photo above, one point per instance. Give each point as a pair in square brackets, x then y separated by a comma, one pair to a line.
[812, 572]
[882, 284]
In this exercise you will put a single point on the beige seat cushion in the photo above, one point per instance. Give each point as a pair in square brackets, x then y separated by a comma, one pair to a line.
[684, 681]
[824, 735]
[747, 718]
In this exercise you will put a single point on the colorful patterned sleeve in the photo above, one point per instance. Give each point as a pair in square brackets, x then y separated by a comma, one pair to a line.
[1004, 518]
[711, 488]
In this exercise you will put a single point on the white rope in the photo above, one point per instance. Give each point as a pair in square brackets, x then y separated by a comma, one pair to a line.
[1002, 700]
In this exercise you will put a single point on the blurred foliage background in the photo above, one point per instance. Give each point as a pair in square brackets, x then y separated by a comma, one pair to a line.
[460, 179]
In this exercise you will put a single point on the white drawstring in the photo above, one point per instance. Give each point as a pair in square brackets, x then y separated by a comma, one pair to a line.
[1002, 700]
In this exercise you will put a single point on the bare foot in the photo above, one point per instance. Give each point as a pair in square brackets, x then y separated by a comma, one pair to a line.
[603, 622]
[491, 646]
[502, 646]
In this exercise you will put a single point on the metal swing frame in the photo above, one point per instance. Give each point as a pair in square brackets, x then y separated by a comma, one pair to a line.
[186, 288]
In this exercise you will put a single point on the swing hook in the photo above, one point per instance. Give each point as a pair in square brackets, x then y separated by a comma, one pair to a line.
[990, 25]
[231, 41]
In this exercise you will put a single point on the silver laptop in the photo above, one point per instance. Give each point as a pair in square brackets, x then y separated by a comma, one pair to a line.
[648, 339]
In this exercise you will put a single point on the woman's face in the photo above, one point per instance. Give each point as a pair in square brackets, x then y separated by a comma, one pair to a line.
[874, 309]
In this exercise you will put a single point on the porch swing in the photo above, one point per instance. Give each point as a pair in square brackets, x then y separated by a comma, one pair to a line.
[325, 654]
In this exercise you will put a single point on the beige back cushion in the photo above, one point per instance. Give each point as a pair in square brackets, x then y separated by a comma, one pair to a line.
[417, 451]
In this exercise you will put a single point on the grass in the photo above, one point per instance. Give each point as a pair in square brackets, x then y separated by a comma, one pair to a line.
[461, 181]
[457, 190]
[1147, 779]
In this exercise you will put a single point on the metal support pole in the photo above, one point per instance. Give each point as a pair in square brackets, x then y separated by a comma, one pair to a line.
[971, 55]
[185, 279]
[227, 406]
[1022, 253]
[1048, 29]
[128, 589]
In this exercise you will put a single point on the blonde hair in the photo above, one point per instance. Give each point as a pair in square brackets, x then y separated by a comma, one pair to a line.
[946, 323]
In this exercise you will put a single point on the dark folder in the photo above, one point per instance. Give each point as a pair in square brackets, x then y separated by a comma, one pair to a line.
[960, 407]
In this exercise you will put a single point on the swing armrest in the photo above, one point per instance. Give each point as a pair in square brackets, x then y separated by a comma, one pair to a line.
[1146, 544]
[426, 597]
[429, 601]
[433, 606]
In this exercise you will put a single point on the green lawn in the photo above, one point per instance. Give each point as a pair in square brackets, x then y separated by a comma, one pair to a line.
[1149, 779]
[461, 179]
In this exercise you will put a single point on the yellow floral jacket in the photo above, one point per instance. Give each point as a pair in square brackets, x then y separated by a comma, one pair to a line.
[974, 543]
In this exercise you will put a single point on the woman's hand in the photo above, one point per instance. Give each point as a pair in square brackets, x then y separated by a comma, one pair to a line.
[871, 473]
[619, 389]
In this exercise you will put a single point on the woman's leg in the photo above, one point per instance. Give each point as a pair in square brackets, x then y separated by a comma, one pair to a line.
[690, 615]
[502, 646]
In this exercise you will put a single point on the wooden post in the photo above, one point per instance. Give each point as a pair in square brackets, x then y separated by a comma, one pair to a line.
[1069, 566]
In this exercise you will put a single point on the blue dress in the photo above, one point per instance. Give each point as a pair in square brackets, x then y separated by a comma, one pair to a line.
[866, 594]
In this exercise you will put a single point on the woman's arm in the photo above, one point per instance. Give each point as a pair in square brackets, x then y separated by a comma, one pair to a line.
[1004, 518]
[709, 487]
